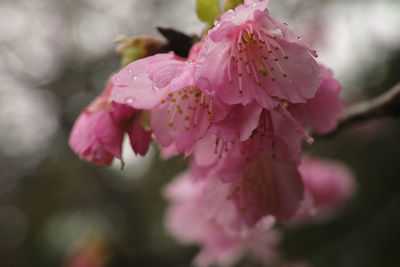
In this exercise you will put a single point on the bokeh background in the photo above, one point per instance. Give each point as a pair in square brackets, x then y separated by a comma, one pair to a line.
[55, 56]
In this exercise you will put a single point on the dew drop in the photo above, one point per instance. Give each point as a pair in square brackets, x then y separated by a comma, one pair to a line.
[155, 88]
[130, 70]
[129, 100]
[135, 77]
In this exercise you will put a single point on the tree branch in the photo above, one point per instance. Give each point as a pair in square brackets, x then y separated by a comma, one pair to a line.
[387, 104]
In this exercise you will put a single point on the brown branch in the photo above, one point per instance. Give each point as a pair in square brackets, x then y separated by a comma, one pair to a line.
[385, 105]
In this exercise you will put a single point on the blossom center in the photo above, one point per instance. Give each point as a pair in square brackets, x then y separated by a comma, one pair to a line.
[190, 104]
[257, 54]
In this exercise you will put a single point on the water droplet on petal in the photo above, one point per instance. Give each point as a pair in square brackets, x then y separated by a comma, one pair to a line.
[130, 70]
[129, 100]
[155, 88]
[135, 77]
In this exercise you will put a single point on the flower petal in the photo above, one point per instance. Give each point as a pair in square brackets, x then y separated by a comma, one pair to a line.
[140, 138]
[132, 85]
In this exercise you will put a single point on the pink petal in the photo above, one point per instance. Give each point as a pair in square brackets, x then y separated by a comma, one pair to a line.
[204, 154]
[322, 112]
[132, 85]
[163, 68]
[140, 138]
[290, 132]
[211, 62]
[329, 183]
[184, 138]
[184, 117]
[271, 188]
[121, 113]
[90, 143]
[109, 134]
[303, 74]
[238, 124]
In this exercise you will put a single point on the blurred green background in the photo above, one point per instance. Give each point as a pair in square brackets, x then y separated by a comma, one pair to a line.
[55, 57]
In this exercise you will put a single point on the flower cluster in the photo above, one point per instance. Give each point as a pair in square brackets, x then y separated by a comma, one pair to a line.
[202, 211]
[98, 133]
[239, 106]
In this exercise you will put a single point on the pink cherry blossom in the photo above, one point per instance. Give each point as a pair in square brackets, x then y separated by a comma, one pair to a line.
[321, 112]
[266, 187]
[181, 112]
[95, 137]
[249, 55]
[328, 185]
[259, 182]
[189, 219]
[98, 132]
[251, 129]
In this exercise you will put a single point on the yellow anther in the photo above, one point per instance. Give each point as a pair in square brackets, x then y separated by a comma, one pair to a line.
[264, 72]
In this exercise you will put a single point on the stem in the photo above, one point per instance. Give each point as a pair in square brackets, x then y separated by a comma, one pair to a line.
[385, 105]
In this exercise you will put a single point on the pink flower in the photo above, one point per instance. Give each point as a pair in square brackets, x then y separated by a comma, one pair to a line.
[259, 182]
[98, 132]
[95, 137]
[275, 132]
[192, 220]
[328, 185]
[249, 55]
[181, 112]
[321, 112]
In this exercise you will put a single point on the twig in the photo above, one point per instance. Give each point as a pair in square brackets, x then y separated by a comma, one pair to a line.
[387, 104]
